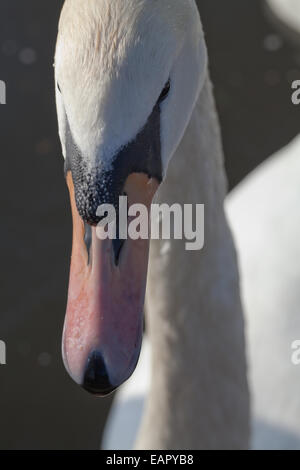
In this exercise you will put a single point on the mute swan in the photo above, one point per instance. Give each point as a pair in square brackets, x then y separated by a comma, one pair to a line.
[136, 114]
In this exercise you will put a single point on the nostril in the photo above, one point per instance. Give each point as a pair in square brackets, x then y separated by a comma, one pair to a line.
[96, 379]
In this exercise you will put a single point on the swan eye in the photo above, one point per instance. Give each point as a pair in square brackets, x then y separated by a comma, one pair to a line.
[58, 87]
[165, 92]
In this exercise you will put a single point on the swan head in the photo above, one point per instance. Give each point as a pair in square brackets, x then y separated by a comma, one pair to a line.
[128, 75]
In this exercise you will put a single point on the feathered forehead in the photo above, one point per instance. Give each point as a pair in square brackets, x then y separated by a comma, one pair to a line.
[98, 33]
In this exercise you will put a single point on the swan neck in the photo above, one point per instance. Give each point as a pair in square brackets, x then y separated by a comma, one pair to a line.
[194, 315]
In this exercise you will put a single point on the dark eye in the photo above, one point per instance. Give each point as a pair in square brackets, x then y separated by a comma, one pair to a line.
[58, 87]
[165, 92]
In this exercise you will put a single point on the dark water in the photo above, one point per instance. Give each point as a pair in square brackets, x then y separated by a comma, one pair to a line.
[40, 407]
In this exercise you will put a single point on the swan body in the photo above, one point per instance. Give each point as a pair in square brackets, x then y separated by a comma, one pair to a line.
[113, 61]
[262, 212]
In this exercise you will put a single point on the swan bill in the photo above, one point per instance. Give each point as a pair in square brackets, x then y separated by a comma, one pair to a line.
[104, 317]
